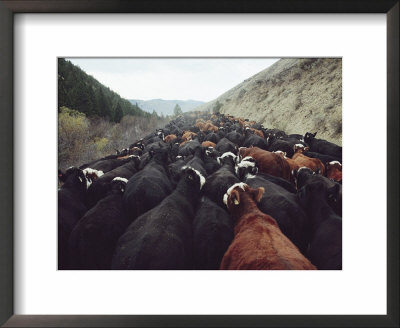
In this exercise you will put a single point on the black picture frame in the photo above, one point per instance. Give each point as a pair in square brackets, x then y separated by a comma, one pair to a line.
[7, 10]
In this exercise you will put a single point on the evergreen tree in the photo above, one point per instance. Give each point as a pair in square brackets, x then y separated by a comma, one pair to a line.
[118, 113]
[82, 92]
[177, 110]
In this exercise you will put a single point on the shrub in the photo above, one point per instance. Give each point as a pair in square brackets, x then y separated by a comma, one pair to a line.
[72, 134]
[81, 140]
[100, 143]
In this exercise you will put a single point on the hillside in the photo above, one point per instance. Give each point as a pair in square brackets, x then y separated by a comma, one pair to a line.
[82, 92]
[165, 107]
[295, 95]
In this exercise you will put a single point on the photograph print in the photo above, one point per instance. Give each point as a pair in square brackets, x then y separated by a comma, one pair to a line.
[199, 163]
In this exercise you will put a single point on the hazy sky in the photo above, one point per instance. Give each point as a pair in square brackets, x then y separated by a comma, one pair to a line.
[197, 79]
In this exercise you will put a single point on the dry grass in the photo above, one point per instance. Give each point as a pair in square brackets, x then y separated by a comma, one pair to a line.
[81, 140]
[300, 93]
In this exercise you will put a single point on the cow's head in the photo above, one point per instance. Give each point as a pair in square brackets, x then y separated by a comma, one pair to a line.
[301, 175]
[300, 148]
[135, 159]
[248, 165]
[309, 137]
[227, 157]
[281, 153]
[193, 177]
[210, 152]
[118, 185]
[334, 170]
[74, 177]
[232, 196]
[92, 174]
[135, 151]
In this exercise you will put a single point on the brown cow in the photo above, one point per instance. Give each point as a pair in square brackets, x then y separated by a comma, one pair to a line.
[300, 159]
[270, 163]
[200, 123]
[207, 144]
[293, 165]
[170, 138]
[258, 244]
[257, 132]
[334, 171]
[188, 135]
[210, 127]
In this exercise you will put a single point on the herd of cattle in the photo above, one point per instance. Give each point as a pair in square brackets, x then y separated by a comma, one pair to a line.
[205, 192]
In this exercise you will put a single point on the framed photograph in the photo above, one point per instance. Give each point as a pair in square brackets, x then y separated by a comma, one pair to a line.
[42, 41]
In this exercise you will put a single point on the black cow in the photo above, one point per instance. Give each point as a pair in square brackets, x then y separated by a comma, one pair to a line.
[148, 187]
[298, 137]
[225, 146]
[196, 162]
[213, 137]
[247, 166]
[212, 235]
[279, 144]
[218, 182]
[71, 207]
[175, 169]
[325, 250]
[210, 156]
[275, 132]
[189, 147]
[284, 207]
[162, 237]
[324, 158]
[254, 140]
[86, 165]
[305, 176]
[100, 187]
[285, 144]
[322, 146]
[106, 165]
[235, 137]
[93, 240]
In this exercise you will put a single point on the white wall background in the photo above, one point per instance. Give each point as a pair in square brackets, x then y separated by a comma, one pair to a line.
[360, 288]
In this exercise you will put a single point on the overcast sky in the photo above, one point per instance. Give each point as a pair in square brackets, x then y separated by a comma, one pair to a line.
[181, 79]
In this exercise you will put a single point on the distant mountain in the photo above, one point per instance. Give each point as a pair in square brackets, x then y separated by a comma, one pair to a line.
[165, 107]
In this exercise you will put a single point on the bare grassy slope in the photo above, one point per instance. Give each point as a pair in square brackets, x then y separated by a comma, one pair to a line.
[296, 95]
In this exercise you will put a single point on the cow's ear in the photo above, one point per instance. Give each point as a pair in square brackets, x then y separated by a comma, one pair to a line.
[315, 134]
[235, 197]
[258, 194]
